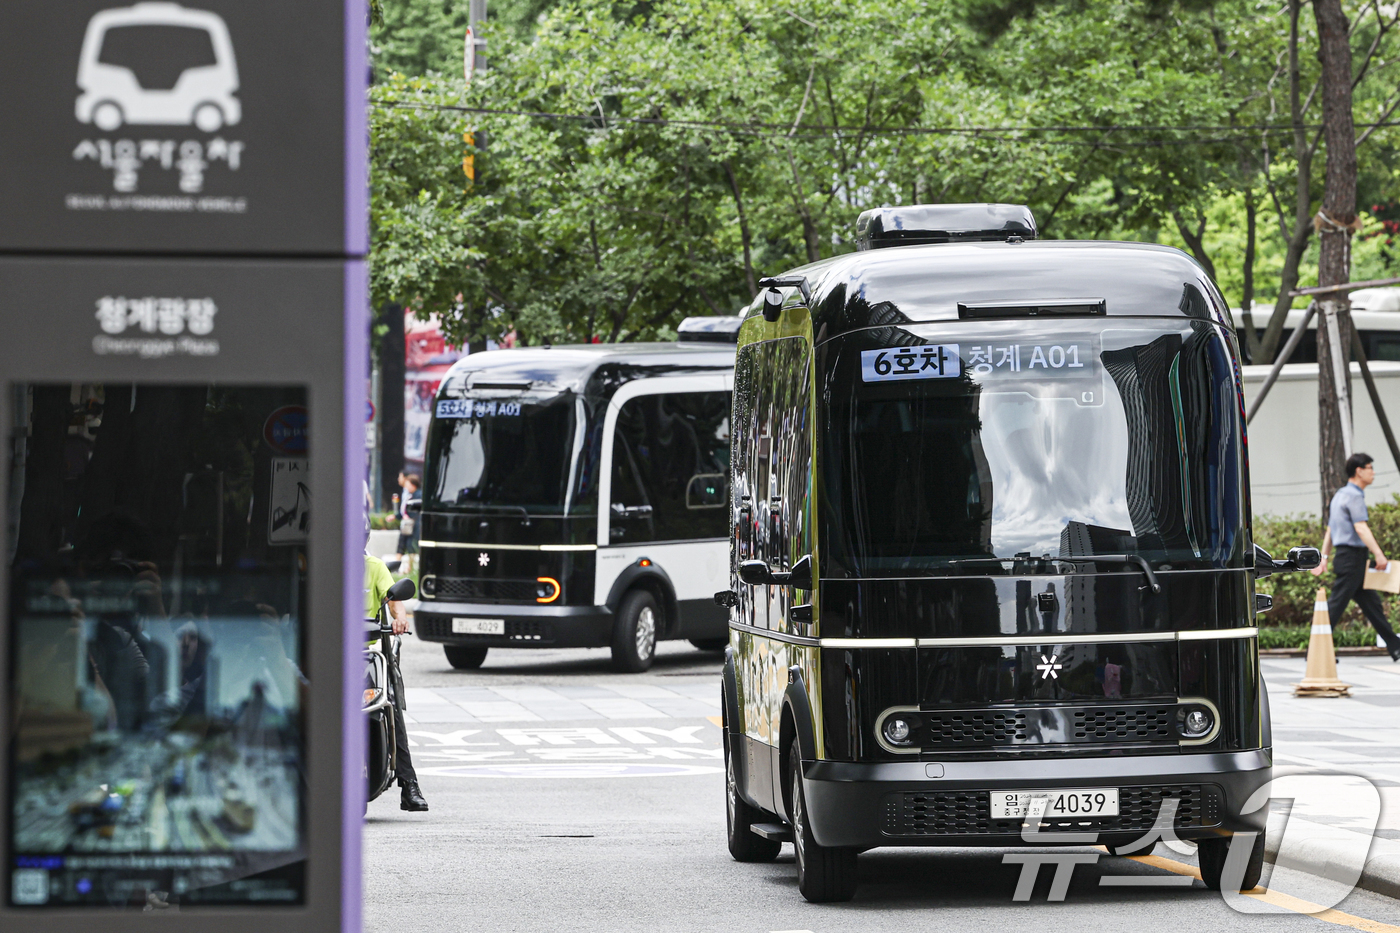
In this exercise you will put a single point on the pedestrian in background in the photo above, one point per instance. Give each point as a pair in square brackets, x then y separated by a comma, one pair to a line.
[408, 520]
[1351, 538]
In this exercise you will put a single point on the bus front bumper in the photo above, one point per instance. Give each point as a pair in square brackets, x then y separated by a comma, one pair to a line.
[520, 626]
[863, 805]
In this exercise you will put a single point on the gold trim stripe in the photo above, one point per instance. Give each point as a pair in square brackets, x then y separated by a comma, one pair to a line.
[464, 545]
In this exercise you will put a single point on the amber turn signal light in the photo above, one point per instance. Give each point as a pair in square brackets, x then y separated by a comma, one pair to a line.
[549, 589]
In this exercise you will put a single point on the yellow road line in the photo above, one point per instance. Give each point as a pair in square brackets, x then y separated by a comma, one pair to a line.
[717, 720]
[1276, 898]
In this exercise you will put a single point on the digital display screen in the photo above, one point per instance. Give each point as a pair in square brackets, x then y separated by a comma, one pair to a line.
[1061, 365]
[156, 605]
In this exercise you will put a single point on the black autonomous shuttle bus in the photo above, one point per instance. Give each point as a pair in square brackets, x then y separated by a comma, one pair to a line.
[576, 496]
[992, 576]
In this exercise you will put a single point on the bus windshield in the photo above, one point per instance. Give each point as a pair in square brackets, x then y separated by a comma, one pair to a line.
[947, 447]
[504, 454]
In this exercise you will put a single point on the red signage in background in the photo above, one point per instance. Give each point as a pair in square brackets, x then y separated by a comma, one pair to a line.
[427, 358]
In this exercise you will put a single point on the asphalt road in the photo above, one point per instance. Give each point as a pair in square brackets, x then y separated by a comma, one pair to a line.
[567, 797]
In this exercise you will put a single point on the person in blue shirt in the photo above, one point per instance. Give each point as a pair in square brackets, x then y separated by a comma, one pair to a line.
[1351, 538]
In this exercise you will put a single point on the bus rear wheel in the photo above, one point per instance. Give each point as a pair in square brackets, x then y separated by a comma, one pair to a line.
[824, 874]
[1211, 853]
[634, 633]
[464, 657]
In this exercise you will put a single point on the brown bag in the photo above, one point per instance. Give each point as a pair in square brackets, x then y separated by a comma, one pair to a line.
[1387, 580]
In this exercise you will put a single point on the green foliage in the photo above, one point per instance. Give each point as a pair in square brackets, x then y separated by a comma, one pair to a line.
[423, 238]
[418, 36]
[1353, 634]
[382, 521]
[652, 160]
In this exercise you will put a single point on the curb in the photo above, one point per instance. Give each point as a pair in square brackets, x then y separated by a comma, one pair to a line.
[1330, 860]
[1303, 652]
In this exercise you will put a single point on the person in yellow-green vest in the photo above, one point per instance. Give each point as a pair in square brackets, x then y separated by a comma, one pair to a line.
[378, 579]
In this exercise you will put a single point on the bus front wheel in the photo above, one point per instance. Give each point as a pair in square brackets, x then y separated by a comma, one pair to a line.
[1212, 854]
[464, 657]
[634, 633]
[824, 873]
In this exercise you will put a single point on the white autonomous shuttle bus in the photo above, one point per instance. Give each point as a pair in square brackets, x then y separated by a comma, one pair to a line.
[576, 496]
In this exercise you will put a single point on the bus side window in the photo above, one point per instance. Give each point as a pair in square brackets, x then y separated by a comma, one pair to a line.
[679, 445]
[633, 516]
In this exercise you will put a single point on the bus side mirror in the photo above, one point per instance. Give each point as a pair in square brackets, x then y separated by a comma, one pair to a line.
[755, 572]
[1303, 558]
[772, 305]
[1299, 558]
[413, 506]
[400, 591]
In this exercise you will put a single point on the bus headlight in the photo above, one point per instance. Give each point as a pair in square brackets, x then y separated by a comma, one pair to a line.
[427, 586]
[897, 731]
[1196, 721]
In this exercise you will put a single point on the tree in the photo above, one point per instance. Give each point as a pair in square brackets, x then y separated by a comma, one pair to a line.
[649, 161]
[1336, 219]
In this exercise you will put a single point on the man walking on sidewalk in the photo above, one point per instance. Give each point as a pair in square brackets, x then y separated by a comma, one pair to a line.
[1349, 534]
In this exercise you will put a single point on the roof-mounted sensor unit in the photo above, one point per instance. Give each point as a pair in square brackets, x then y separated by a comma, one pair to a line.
[709, 329]
[920, 224]
[1062, 307]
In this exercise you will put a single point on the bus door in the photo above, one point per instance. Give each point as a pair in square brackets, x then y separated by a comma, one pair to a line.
[666, 451]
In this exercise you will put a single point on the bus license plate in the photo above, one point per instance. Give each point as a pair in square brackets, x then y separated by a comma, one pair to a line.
[1060, 804]
[482, 627]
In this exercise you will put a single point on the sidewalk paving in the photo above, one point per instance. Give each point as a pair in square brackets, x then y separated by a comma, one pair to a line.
[1359, 734]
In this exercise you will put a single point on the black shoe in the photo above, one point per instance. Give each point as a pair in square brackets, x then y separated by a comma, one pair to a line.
[411, 798]
[1395, 654]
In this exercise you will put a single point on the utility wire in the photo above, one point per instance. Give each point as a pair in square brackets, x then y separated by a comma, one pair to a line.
[822, 131]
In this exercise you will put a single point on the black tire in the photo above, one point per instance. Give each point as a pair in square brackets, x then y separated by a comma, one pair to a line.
[744, 846]
[634, 632]
[823, 874]
[710, 644]
[464, 657]
[1212, 854]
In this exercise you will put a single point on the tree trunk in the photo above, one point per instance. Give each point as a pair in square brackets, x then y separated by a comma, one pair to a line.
[392, 401]
[1251, 237]
[1302, 208]
[744, 235]
[1334, 225]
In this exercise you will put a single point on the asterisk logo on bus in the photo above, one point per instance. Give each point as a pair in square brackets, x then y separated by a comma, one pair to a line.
[1048, 667]
[483, 559]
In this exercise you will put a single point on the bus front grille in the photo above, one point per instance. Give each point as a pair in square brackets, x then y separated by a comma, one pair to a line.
[968, 813]
[1062, 725]
[487, 590]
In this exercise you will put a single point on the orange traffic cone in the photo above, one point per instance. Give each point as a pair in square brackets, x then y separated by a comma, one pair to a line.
[1320, 678]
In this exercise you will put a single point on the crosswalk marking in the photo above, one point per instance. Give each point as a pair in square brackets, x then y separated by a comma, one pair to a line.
[562, 703]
